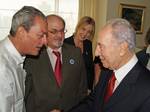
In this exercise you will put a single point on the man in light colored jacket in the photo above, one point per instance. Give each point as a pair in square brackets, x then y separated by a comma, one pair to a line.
[27, 35]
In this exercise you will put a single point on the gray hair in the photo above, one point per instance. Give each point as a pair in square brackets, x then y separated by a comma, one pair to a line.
[123, 31]
[25, 18]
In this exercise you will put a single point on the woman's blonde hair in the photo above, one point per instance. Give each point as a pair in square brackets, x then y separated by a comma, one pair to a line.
[86, 20]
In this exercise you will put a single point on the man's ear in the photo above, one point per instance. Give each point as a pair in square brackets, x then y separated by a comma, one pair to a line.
[21, 31]
[123, 48]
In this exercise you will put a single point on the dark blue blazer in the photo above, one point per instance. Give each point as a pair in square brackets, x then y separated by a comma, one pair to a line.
[143, 57]
[132, 95]
[88, 59]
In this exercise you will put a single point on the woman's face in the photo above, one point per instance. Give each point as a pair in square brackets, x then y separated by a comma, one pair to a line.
[84, 32]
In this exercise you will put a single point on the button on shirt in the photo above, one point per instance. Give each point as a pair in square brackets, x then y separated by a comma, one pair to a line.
[123, 71]
[12, 78]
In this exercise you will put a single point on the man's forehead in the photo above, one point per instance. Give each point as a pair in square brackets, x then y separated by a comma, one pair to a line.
[105, 32]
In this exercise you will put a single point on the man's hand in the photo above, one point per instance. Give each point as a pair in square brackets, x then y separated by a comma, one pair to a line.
[55, 110]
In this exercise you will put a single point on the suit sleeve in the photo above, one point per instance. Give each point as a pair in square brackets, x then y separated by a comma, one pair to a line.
[6, 92]
[86, 105]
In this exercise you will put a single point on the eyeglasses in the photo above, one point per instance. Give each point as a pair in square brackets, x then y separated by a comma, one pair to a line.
[54, 31]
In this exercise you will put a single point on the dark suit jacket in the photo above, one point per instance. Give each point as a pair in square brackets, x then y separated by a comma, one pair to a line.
[42, 92]
[143, 57]
[132, 95]
[88, 59]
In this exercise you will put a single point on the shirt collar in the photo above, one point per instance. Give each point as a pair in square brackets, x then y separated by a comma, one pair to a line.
[15, 54]
[123, 71]
[51, 50]
[148, 49]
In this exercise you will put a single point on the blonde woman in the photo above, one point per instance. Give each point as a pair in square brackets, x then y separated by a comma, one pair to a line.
[85, 31]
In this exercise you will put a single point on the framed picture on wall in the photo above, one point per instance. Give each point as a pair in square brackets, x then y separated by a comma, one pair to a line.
[134, 14]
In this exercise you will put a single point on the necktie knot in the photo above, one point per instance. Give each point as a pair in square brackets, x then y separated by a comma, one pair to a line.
[57, 53]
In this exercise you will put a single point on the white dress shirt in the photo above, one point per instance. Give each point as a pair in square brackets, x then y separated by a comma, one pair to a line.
[123, 71]
[12, 78]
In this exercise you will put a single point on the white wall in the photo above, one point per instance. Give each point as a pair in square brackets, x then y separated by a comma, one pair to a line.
[69, 13]
[100, 19]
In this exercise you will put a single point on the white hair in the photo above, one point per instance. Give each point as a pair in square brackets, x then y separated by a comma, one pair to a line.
[123, 31]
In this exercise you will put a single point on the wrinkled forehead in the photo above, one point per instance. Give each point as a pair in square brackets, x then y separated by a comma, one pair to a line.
[55, 24]
[105, 32]
[105, 35]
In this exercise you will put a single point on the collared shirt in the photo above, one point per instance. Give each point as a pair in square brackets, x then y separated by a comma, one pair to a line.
[148, 52]
[52, 56]
[12, 78]
[123, 71]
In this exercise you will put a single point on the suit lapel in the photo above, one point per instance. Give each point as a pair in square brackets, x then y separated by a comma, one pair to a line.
[124, 89]
[65, 61]
[121, 93]
[69, 62]
[47, 66]
[101, 88]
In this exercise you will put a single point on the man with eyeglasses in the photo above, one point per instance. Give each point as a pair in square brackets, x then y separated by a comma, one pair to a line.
[44, 92]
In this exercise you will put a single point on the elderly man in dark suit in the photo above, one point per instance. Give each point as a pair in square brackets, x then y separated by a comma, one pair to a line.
[125, 87]
[47, 91]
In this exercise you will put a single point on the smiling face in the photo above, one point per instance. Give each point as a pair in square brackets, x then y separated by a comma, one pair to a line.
[84, 32]
[56, 32]
[108, 49]
[35, 38]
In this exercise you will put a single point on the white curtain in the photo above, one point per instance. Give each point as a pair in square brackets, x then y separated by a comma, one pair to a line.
[87, 8]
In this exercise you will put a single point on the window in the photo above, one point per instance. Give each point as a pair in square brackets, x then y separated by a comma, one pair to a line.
[68, 9]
